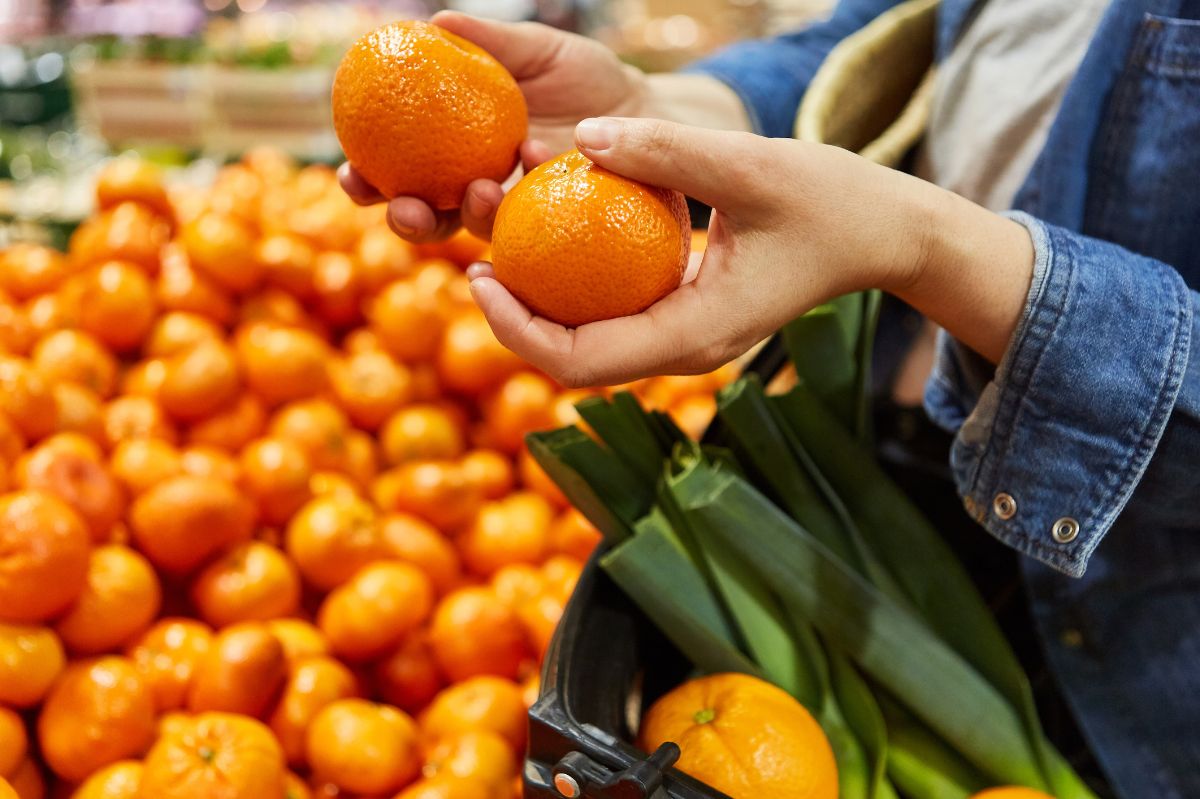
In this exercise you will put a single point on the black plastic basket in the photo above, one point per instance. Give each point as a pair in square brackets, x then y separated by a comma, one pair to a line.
[608, 662]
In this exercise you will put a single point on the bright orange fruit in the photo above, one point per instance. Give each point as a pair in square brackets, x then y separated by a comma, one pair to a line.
[619, 246]
[453, 111]
[119, 600]
[744, 737]
[363, 747]
[100, 711]
[215, 756]
[43, 556]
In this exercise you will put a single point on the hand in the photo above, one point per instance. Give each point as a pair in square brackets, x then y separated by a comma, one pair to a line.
[794, 225]
[564, 78]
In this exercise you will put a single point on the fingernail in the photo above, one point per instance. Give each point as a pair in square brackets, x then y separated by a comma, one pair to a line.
[597, 133]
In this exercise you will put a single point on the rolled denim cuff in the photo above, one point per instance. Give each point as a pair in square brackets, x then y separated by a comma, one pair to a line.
[1051, 444]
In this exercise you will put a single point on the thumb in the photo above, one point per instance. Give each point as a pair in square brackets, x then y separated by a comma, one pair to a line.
[723, 169]
[520, 46]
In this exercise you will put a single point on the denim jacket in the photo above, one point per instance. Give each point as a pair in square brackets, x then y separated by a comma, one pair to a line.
[1082, 448]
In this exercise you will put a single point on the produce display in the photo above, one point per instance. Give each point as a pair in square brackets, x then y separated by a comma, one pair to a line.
[268, 526]
[778, 550]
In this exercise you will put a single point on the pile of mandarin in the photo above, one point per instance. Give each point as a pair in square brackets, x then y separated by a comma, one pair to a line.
[268, 527]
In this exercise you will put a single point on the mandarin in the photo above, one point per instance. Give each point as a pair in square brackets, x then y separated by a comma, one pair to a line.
[98, 712]
[126, 232]
[373, 611]
[454, 111]
[299, 638]
[134, 180]
[210, 462]
[491, 471]
[318, 426]
[287, 262]
[14, 741]
[167, 656]
[744, 737]
[135, 417]
[370, 386]
[221, 248]
[177, 331]
[1011, 792]
[469, 359]
[281, 363]
[139, 464]
[619, 246]
[179, 287]
[182, 521]
[276, 473]
[117, 304]
[77, 410]
[382, 257]
[26, 398]
[312, 683]
[332, 537]
[233, 425]
[215, 756]
[16, 331]
[435, 490]
[43, 556]
[421, 432]
[481, 755]
[518, 406]
[473, 633]
[363, 747]
[478, 703]
[408, 677]
[78, 479]
[119, 600]
[251, 582]
[407, 321]
[77, 357]
[27, 270]
[242, 672]
[31, 658]
[416, 541]
[338, 287]
[512, 530]
[572, 534]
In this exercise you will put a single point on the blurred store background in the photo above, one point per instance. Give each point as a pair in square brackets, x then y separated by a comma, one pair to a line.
[192, 83]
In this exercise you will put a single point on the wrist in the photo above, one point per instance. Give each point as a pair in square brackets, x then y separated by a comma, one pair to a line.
[969, 270]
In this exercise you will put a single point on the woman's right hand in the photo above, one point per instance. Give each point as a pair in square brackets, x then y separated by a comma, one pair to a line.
[565, 78]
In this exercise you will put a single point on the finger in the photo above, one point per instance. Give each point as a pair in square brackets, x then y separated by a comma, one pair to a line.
[726, 170]
[534, 153]
[662, 339]
[480, 269]
[413, 219]
[522, 47]
[480, 204]
[356, 186]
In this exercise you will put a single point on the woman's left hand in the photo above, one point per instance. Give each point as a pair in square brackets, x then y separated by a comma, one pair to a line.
[794, 225]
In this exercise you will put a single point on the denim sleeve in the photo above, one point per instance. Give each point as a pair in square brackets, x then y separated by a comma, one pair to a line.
[771, 75]
[1095, 397]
